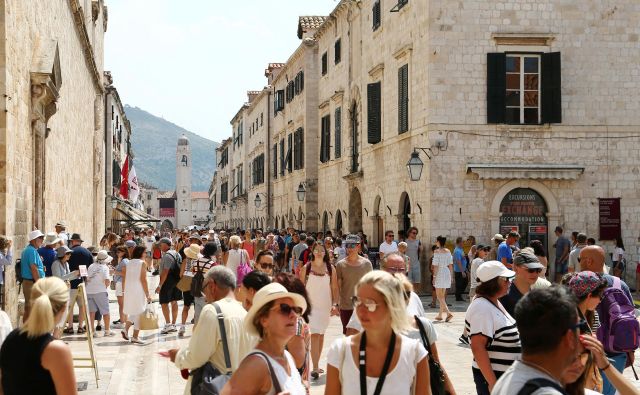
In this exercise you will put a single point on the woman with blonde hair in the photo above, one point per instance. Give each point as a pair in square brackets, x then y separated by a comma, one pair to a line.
[31, 360]
[380, 357]
[236, 254]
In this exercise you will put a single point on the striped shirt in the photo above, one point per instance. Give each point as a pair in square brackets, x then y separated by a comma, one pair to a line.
[492, 321]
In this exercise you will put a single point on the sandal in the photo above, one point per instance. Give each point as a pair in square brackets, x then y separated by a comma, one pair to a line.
[68, 331]
[124, 334]
[432, 305]
[449, 317]
[315, 374]
[81, 330]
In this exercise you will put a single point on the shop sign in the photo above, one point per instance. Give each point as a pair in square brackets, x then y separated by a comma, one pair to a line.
[609, 215]
[538, 229]
[168, 212]
[504, 230]
[523, 206]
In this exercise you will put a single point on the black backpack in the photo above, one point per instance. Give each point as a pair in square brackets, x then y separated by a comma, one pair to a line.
[174, 272]
[196, 281]
[19, 271]
[533, 385]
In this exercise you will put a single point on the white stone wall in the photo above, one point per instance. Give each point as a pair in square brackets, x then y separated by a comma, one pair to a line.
[257, 138]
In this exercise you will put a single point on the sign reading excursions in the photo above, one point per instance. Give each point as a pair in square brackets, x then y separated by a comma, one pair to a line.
[523, 206]
[609, 218]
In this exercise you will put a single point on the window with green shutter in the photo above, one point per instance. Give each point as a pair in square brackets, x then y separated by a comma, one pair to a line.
[274, 154]
[337, 49]
[375, 15]
[325, 136]
[374, 116]
[324, 63]
[403, 99]
[337, 122]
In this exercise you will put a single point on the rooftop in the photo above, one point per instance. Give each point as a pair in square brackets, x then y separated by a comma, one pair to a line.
[200, 195]
[167, 195]
[306, 23]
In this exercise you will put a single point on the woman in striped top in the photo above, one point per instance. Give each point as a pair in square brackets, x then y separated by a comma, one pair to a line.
[494, 337]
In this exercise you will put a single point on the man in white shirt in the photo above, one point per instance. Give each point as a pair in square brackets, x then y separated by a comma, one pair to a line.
[205, 344]
[388, 245]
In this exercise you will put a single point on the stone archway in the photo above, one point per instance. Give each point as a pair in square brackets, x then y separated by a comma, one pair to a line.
[166, 224]
[325, 222]
[404, 213]
[339, 224]
[355, 211]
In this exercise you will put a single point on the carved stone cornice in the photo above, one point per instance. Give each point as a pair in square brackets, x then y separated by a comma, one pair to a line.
[87, 48]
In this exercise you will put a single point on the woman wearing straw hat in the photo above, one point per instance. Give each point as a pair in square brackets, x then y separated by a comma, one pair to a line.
[193, 253]
[273, 317]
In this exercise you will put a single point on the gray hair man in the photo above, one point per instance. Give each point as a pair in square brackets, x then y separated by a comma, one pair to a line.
[206, 342]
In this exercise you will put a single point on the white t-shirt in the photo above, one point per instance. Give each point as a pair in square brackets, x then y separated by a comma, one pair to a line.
[618, 254]
[475, 264]
[96, 274]
[485, 318]
[387, 248]
[428, 327]
[399, 379]
[414, 307]
[517, 376]
[149, 241]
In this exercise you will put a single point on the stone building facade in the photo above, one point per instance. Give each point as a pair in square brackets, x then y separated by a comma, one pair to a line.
[51, 123]
[523, 115]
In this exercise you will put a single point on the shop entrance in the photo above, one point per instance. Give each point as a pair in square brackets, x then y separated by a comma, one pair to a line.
[524, 210]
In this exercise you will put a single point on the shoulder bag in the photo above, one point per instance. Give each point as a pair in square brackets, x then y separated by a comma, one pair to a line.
[207, 379]
[436, 373]
[274, 379]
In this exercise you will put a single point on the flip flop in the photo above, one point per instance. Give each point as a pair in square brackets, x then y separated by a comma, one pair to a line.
[449, 317]
[125, 336]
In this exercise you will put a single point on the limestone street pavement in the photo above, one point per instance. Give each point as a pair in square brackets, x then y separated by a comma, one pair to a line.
[133, 369]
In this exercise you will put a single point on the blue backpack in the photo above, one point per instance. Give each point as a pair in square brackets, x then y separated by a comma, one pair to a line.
[619, 329]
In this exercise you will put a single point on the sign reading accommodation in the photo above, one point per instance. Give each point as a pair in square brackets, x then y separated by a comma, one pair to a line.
[609, 210]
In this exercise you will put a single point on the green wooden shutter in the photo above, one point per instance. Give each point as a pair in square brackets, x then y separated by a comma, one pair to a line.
[551, 88]
[403, 99]
[496, 87]
[374, 119]
[338, 132]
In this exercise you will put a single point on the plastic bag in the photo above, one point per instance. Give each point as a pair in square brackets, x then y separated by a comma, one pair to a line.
[149, 318]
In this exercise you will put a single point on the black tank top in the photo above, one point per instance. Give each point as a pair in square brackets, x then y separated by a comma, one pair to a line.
[22, 371]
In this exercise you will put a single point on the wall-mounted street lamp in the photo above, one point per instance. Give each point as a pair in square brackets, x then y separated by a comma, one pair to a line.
[415, 164]
[300, 192]
[258, 201]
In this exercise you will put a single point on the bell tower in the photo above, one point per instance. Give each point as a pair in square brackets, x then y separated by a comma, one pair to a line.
[183, 183]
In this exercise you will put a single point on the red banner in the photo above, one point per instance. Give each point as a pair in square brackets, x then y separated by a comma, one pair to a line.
[167, 212]
[609, 210]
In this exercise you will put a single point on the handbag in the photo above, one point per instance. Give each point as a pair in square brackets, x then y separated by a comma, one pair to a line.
[184, 284]
[207, 379]
[149, 318]
[243, 268]
[436, 373]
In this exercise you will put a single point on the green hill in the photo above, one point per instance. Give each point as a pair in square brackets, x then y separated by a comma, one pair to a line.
[154, 140]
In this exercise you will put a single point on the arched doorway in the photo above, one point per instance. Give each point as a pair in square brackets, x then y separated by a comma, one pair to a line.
[282, 223]
[355, 211]
[338, 222]
[405, 213]
[325, 222]
[166, 225]
[525, 211]
[378, 222]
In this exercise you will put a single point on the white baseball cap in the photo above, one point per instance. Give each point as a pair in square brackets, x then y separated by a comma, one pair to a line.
[34, 234]
[487, 271]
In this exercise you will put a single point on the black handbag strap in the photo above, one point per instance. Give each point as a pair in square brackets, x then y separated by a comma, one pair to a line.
[423, 335]
[385, 367]
[274, 378]
[223, 336]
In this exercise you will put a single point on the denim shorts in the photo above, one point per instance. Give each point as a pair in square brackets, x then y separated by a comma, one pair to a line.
[98, 302]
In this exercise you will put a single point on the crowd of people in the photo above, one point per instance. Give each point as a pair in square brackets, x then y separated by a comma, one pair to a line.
[263, 303]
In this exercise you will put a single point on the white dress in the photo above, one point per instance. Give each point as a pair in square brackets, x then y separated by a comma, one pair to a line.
[319, 291]
[442, 260]
[135, 301]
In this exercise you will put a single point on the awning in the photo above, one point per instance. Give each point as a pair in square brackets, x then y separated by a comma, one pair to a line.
[525, 171]
[132, 215]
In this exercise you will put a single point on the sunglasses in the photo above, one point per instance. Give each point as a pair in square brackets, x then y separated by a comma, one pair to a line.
[318, 252]
[368, 303]
[266, 265]
[582, 325]
[286, 309]
[531, 271]
[389, 235]
[395, 269]
[413, 233]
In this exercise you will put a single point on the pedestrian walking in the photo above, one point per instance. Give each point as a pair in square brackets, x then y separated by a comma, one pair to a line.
[97, 285]
[80, 256]
[248, 244]
[321, 282]
[618, 261]
[349, 271]
[192, 253]
[48, 251]
[386, 359]
[6, 256]
[497, 239]
[236, 254]
[270, 369]
[136, 293]
[414, 250]
[388, 245]
[442, 265]
[169, 278]
[548, 327]
[527, 269]
[205, 261]
[539, 251]
[563, 248]
[481, 253]
[505, 251]
[265, 262]
[31, 360]
[32, 268]
[118, 264]
[252, 283]
[494, 338]
[206, 343]
[460, 269]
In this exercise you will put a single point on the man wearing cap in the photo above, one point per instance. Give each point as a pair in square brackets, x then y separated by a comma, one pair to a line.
[496, 240]
[505, 253]
[349, 271]
[169, 278]
[61, 231]
[48, 251]
[205, 344]
[32, 268]
[527, 267]
[80, 256]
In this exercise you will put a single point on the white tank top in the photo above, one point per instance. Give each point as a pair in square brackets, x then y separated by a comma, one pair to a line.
[291, 384]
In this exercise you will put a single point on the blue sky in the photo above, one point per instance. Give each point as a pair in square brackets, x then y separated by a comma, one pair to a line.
[192, 61]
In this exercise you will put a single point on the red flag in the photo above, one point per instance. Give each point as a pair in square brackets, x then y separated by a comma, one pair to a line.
[124, 175]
